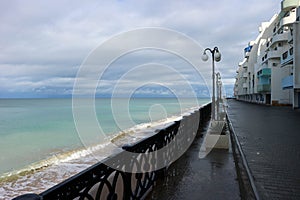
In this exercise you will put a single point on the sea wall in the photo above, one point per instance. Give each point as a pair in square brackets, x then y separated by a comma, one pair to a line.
[112, 179]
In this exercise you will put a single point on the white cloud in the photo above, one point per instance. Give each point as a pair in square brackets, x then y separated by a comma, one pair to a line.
[42, 44]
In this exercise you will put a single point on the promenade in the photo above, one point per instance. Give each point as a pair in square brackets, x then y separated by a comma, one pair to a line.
[270, 139]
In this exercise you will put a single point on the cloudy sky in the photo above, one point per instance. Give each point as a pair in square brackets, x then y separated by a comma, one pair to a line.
[44, 43]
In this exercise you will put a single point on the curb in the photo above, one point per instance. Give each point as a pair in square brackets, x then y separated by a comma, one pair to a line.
[247, 185]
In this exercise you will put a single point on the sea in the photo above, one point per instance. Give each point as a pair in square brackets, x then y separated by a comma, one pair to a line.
[40, 145]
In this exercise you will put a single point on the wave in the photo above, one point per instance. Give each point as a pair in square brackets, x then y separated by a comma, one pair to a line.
[55, 159]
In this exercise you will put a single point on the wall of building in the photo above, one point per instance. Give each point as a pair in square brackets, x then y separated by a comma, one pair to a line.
[277, 49]
[296, 70]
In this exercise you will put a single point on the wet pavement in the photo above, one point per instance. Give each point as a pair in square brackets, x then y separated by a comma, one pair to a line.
[270, 139]
[213, 177]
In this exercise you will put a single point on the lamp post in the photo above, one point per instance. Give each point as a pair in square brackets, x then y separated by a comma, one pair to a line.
[219, 93]
[216, 56]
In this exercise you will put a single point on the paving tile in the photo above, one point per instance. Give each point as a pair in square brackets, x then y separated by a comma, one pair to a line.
[270, 139]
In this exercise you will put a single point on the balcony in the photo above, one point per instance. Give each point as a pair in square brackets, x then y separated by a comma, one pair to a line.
[289, 4]
[264, 88]
[248, 49]
[244, 85]
[287, 82]
[264, 72]
[280, 37]
[274, 54]
[245, 75]
[288, 19]
[247, 54]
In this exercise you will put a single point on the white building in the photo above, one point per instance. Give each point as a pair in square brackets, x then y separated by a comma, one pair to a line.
[270, 71]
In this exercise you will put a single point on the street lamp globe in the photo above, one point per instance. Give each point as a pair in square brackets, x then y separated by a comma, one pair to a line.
[217, 56]
[204, 57]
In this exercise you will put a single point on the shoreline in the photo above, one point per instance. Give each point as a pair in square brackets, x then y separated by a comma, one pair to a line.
[62, 166]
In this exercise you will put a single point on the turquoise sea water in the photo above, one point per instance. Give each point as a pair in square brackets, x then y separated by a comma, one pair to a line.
[34, 130]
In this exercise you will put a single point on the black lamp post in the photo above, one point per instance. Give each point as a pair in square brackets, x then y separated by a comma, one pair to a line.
[216, 56]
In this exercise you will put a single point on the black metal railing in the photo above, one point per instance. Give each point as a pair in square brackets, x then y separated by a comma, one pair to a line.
[111, 179]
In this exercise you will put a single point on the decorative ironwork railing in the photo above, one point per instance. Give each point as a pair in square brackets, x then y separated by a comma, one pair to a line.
[111, 178]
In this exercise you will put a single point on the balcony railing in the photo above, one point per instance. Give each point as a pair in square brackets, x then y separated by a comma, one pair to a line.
[264, 88]
[247, 54]
[274, 55]
[287, 82]
[264, 72]
[289, 4]
[108, 179]
[288, 19]
[280, 37]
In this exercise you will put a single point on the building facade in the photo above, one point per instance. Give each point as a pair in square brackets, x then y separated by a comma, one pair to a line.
[270, 70]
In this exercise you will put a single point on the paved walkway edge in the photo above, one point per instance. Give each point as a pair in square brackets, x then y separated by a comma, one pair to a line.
[248, 188]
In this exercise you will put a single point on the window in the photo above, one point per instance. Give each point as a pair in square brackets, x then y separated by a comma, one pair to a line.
[279, 44]
[287, 14]
[291, 51]
[280, 31]
[285, 55]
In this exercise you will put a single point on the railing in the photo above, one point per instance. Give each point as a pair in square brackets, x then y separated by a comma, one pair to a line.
[264, 72]
[288, 4]
[264, 88]
[274, 54]
[280, 37]
[247, 54]
[287, 82]
[291, 18]
[109, 179]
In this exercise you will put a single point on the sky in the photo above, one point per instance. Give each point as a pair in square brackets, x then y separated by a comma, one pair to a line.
[43, 44]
